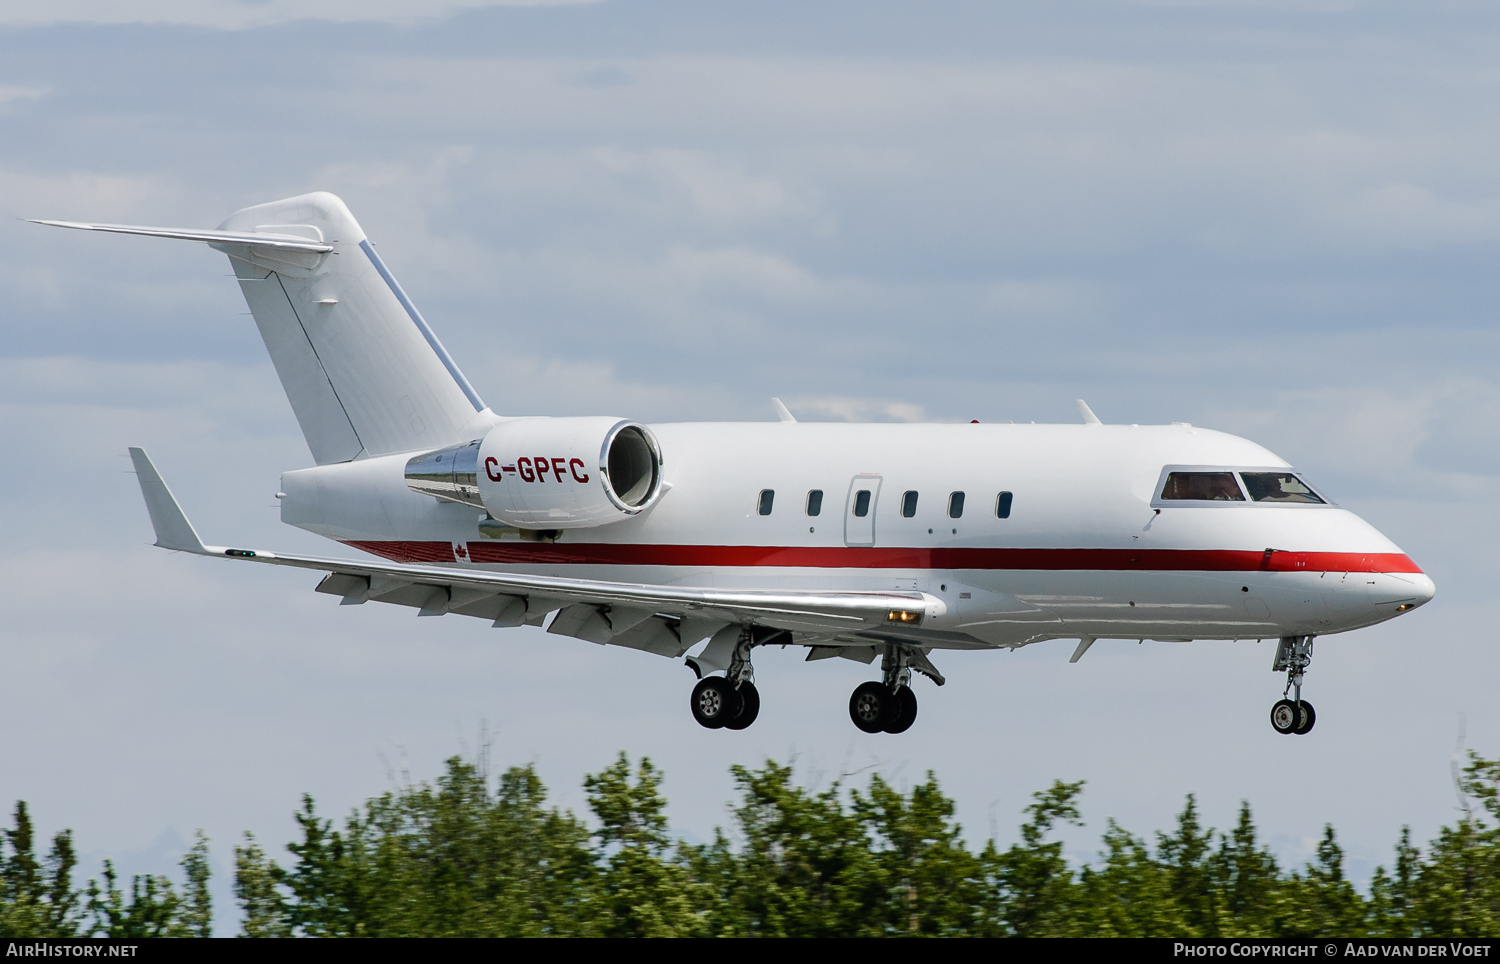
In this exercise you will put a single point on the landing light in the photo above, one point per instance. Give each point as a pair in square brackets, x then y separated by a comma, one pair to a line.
[903, 616]
[1405, 606]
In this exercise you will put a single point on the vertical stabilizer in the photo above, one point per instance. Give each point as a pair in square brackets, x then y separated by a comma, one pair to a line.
[364, 373]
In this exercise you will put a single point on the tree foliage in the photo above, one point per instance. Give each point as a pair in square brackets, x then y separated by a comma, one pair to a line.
[472, 855]
[460, 858]
[39, 899]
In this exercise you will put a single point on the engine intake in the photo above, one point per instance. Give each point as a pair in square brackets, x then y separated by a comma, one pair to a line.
[548, 473]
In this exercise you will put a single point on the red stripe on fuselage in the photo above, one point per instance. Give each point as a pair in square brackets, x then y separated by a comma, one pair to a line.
[895, 557]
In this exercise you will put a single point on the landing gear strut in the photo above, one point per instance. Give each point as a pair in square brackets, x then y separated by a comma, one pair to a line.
[1294, 715]
[730, 701]
[889, 706]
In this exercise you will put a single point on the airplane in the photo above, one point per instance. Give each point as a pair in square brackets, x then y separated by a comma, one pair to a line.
[852, 540]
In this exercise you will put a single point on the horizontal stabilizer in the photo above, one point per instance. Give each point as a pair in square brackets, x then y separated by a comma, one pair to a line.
[283, 242]
[173, 530]
[364, 372]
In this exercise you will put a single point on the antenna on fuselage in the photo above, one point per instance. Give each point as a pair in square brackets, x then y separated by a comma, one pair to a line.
[1089, 418]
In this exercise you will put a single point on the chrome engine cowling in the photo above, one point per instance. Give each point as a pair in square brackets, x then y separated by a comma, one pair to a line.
[548, 473]
[449, 474]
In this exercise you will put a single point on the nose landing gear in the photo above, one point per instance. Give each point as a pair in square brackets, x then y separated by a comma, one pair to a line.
[1294, 715]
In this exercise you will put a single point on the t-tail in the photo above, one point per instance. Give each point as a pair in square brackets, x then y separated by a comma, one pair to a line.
[364, 372]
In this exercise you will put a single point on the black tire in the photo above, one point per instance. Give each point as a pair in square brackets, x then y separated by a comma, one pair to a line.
[1284, 717]
[1309, 717]
[873, 706]
[715, 703]
[749, 707]
[906, 711]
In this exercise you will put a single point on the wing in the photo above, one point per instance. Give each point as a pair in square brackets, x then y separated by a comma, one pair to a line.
[662, 619]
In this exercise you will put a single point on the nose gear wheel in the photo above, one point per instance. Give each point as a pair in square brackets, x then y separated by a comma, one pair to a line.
[1295, 715]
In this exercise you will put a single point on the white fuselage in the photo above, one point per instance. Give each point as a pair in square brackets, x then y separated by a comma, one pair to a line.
[1088, 549]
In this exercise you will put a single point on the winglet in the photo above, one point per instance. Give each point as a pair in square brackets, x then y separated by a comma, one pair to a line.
[781, 411]
[1089, 418]
[173, 530]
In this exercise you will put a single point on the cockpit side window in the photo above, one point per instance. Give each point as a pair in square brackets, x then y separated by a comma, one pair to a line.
[1202, 487]
[1278, 487]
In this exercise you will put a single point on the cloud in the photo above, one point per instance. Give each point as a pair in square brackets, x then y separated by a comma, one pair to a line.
[245, 14]
[11, 94]
[840, 409]
[1433, 439]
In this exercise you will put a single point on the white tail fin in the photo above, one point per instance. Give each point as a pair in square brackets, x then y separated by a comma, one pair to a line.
[364, 373]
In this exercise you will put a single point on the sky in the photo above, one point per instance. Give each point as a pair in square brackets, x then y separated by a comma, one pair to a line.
[1276, 219]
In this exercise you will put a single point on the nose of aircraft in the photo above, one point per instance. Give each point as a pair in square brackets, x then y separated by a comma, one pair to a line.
[1399, 592]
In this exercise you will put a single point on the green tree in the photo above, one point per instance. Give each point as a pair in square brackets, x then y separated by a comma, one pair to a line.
[1247, 880]
[1391, 895]
[1186, 856]
[803, 867]
[1031, 889]
[451, 859]
[931, 883]
[37, 898]
[150, 911]
[644, 890]
[197, 910]
[1128, 894]
[459, 858]
[155, 908]
[1456, 892]
[1318, 901]
[257, 888]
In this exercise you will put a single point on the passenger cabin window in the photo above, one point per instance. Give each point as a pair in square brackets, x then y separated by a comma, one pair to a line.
[1202, 487]
[815, 502]
[1002, 505]
[955, 505]
[1278, 487]
[862, 503]
[908, 504]
[767, 496]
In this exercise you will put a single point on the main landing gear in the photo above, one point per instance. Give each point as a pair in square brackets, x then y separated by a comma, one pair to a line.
[1293, 715]
[890, 706]
[731, 701]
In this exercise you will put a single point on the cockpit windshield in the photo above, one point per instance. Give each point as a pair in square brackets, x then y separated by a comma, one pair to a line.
[1202, 487]
[1278, 487]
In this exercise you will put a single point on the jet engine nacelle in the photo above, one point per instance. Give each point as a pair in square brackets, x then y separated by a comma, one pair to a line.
[548, 473]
